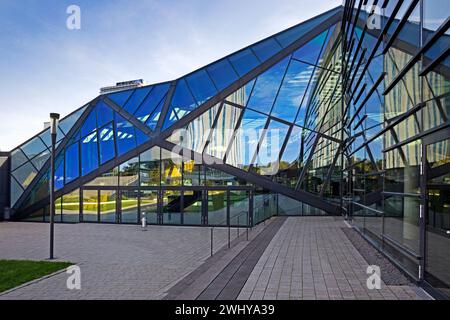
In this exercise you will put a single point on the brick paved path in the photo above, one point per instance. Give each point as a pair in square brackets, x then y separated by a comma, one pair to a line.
[306, 258]
[311, 258]
[117, 261]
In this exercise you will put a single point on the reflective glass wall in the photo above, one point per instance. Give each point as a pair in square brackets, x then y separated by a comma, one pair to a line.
[396, 81]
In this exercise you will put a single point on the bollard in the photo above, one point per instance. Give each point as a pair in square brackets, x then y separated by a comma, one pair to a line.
[247, 233]
[144, 222]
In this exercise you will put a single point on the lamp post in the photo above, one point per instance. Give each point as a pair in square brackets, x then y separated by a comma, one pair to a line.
[54, 119]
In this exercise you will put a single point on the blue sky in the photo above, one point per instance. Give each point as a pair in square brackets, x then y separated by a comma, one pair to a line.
[47, 68]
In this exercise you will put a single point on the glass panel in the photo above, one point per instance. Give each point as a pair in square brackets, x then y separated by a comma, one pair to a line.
[374, 222]
[192, 203]
[39, 191]
[90, 123]
[318, 166]
[33, 147]
[129, 173]
[25, 174]
[108, 205]
[136, 99]
[217, 207]
[294, 33]
[149, 205]
[294, 157]
[401, 177]
[58, 210]
[242, 94]
[59, 172]
[215, 177]
[244, 61]
[107, 148]
[438, 83]
[171, 168]
[46, 138]
[17, 159]
[150, 167]
[310, 52]
[151, 102]
[171, 207]
[195, 135]
[401, 222]
[289, 207]
[171, 118]
[301, 116]
[435, 12]
[71, 206]
[40, 159]
[104, 113]
[110, 178]
[192, 173]
[266, 87]
[223, 131]
[182, 103]
[120, 97]
[267, 160]
[67, 123]
[90, 205]
[35, 216]
[72, 162]
[201, 86]
[125, 135]
[292, 90]
[438, 154]
[266, 49]
[130, 206]
[154, 117]
[89, 153]
[239, 208]
[246, 139]
[16, 191]
[222, 74]
[438, 218]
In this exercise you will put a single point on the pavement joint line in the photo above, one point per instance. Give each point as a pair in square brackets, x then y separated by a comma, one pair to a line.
[275, 226]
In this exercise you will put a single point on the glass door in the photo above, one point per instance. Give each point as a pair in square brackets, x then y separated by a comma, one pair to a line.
[108, 206]
[437, 218]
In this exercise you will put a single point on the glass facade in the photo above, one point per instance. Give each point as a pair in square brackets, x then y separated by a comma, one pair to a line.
[394, 176]
[328, 117]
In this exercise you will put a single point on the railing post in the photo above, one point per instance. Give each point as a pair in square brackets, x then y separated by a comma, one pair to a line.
[238, 227]
[212, 237]
[229, 236]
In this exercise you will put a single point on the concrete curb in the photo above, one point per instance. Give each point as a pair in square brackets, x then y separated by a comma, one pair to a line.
[26, 284]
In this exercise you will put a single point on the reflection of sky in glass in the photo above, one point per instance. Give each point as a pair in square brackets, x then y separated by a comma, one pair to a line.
[310, 51]
[201, 86]
[293, 146]
[267, 86]
[292, 91]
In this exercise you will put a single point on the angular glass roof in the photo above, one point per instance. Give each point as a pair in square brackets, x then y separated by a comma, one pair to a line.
[117, 123]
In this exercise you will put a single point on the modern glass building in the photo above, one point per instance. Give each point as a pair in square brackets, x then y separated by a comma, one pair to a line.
[344, 114]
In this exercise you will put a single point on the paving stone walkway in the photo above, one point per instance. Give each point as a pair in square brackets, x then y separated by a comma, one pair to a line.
[287, 258]
[116, 261]
[311, 258]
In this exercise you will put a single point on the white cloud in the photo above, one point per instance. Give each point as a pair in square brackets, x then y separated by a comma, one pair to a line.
[53, 69]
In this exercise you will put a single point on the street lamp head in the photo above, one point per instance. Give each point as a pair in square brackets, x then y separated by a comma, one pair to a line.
[54, 120]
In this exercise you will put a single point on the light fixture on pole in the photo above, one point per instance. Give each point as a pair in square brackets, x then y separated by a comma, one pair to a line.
[54, 121]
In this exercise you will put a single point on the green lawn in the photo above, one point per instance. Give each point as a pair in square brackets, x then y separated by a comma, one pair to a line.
[16, 272]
